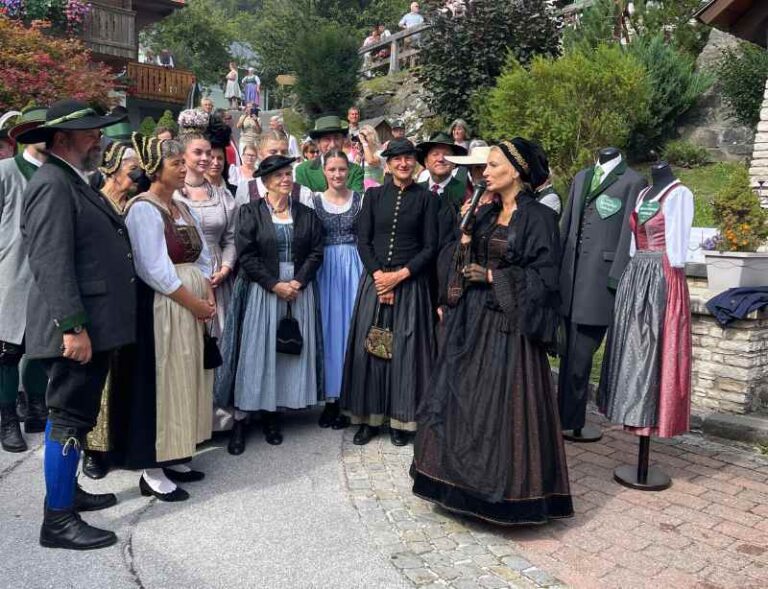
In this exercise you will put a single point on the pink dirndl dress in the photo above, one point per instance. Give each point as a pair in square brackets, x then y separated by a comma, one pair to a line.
[646, 375]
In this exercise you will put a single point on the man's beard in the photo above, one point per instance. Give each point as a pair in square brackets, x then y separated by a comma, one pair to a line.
[92, 160]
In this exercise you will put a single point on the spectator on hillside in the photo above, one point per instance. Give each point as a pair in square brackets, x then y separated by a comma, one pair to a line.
[150, 57]
[410, 20]
[206, 104]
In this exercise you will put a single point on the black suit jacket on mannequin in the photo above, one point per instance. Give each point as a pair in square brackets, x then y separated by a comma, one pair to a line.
[595, 251]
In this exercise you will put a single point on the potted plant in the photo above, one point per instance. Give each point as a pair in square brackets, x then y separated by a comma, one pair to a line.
[733, 259]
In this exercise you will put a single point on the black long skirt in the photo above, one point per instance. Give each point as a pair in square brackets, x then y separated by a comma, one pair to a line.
[489, 442]
[376, 391]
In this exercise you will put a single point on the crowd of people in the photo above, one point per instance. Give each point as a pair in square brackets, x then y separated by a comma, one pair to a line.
[163, 288]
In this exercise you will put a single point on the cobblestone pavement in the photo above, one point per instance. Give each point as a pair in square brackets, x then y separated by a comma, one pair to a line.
[709, 530]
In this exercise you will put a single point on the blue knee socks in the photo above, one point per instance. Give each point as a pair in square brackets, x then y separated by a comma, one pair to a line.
[60, 466]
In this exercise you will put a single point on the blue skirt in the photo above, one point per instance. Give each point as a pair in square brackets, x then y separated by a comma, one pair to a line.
[254, 375]
[337, 280]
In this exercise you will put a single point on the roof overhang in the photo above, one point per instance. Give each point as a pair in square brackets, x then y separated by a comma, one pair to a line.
[746, 19]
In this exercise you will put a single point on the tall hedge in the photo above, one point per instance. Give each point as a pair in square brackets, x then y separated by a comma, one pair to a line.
[573, 106]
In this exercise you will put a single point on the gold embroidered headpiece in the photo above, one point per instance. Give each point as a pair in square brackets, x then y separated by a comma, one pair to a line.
[148, 152]
[114, 155]
[514, 156]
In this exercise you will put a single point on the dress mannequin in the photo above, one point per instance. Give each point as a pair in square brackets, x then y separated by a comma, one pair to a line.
[595, 238]
[646, 378]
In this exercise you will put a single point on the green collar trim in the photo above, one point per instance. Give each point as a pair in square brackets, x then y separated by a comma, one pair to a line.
[26, 168]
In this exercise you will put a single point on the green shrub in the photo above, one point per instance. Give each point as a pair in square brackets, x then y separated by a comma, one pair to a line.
[573, 106]
[147, 126]
[685, 154]
[168, 121]
[294, 123]
[742, 222]
[464, 55]
[675, 88]
[326, 66]
[741, 73]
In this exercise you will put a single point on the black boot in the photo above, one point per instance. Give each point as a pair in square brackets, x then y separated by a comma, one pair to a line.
[365, 434]
[271, 426]
[329, 415]
[37, 415]
[95, 464]
[236, 444]
[10, 431]
[93, 502]
[21, 405]
[65, 529]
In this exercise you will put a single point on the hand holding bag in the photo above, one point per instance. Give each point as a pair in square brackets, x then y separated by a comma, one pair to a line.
[378, 342]
[289, 338]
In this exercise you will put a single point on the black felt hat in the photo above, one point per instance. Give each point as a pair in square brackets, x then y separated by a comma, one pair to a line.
[271, 164]
[399, 147]
[439, 138]
[68, 115]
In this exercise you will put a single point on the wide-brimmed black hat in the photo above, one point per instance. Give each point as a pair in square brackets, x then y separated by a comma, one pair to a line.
[68, 115]
[31, 117]
[439, 138]
[271, 164]
[399, 147]
[328, 125]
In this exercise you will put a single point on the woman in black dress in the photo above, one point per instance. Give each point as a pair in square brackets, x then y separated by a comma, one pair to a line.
[397, 242]
[489, 441]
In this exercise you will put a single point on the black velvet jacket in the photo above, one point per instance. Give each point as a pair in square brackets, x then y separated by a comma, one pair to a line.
[256, 243]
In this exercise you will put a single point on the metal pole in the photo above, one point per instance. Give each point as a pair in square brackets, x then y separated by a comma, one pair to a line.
[643, 458]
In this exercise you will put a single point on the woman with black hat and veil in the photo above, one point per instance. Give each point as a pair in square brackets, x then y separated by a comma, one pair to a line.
[489, 442]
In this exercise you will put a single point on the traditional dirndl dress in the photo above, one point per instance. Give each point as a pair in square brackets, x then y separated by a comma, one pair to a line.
[646, 375]
[254, 376]
[338, 280]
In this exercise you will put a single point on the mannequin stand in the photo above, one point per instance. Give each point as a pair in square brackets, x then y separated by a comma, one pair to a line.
[583, 435]
[642, 477]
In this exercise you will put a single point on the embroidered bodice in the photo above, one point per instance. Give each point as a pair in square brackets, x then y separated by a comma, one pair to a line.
[338, 220]
[648, 221]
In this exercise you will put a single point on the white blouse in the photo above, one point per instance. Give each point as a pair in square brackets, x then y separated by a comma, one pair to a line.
[678, 219]
[243, 195]
[150, 252]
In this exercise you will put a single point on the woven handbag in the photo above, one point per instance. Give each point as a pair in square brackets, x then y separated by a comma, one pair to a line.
[378, 342]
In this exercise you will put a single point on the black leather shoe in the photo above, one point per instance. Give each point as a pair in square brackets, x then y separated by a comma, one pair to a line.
[365, 434]
[341, 422]
[65, 529]
[93, 502]
[37, 415]
[178, 494]
[329, 414]
[398, 437]
[191, 476]
[271, 427]
[95, 465]
[236, 444]
[10, 430]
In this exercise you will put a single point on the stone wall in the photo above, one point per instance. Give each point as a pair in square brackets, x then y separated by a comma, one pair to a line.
[759, 168]
[708, 124]
[730, 365]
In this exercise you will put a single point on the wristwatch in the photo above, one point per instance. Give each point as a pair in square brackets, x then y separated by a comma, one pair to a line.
[76, 330]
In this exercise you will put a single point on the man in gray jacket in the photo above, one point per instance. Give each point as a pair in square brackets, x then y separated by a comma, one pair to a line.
[82, 306]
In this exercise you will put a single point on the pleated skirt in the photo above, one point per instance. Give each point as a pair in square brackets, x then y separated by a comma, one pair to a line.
[646, 375]
[489, 442]
[254, 376]
[376, 391]
[338, 281]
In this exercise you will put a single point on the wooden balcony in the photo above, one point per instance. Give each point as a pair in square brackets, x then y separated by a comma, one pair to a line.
[110, 32]
[159, 84]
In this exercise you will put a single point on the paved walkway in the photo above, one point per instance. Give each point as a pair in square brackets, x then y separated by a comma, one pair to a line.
[321, 512]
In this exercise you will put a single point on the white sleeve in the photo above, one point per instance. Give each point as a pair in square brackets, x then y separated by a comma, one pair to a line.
[293, 147]
[632, 245]
[678, 219]
[305, 197]
[204, 261]
[150, 252]
[242, 196]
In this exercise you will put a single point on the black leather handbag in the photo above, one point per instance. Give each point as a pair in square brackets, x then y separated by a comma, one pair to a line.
[289, 338]
[211, 354]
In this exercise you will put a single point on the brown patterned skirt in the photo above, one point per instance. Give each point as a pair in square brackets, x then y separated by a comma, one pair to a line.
[488, 442]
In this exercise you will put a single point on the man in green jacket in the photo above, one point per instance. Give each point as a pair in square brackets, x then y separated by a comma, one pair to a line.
[329, 135]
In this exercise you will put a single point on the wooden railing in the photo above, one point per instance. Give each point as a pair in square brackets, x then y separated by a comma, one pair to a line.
[111, 31]
[153, 82]
[401, 49]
